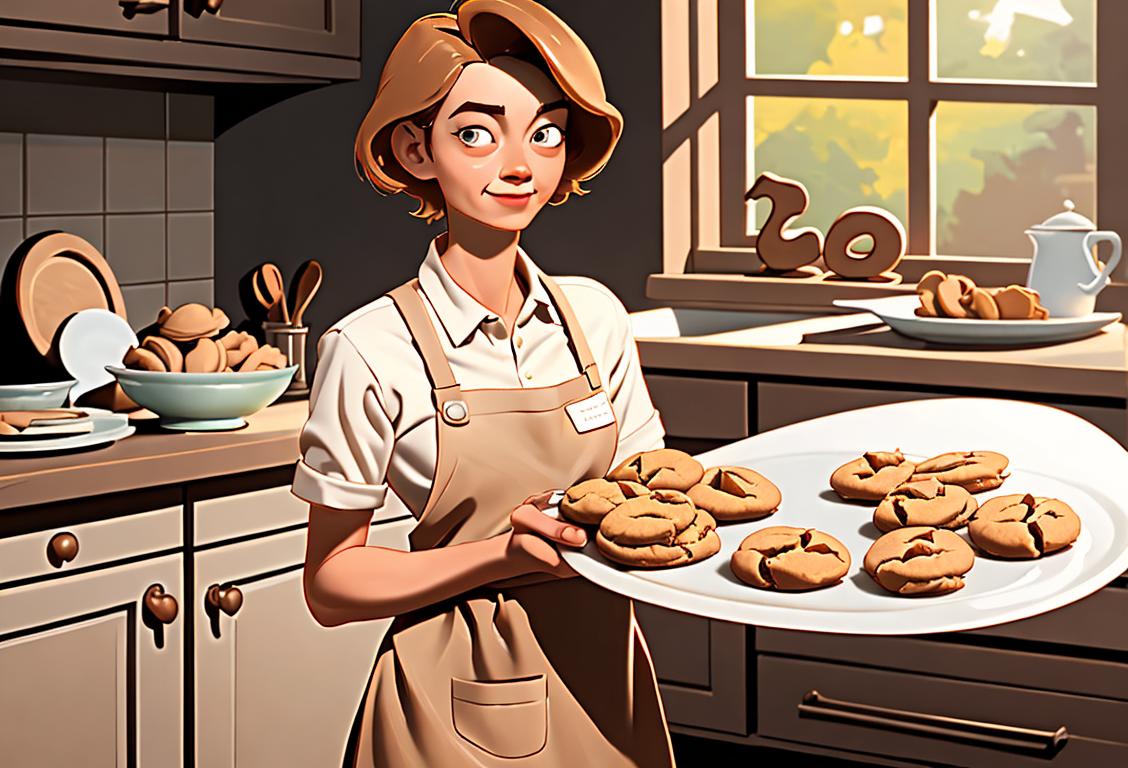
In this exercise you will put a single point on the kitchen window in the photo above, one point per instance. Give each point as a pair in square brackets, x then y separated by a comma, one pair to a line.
[968, 119]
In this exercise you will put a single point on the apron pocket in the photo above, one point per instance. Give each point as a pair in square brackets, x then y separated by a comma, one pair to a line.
[507, 718]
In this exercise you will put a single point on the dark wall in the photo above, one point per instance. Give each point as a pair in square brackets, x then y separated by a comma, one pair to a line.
[286, 189]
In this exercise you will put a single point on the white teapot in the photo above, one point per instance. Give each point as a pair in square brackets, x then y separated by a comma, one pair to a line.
[1064, 271]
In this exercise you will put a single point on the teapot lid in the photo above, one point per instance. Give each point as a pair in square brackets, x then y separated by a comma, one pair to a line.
[1066, 220]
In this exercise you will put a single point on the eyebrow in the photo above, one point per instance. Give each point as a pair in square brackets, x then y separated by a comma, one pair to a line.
[558, 104]
[474, 106]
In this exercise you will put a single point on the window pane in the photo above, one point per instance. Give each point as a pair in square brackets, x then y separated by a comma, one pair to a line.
[1045, 40]
[846, 152]
[827, 38]
[1004, 167]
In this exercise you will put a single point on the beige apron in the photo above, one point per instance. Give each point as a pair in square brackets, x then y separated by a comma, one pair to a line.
[549, 674]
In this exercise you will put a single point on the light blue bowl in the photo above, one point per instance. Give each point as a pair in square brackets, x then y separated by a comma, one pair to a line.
[32, 397]
[203, 401]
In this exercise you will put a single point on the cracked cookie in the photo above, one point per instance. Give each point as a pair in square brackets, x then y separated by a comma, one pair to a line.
[587, 502]
[919, 560]
[1021, 526]
[666, 468]
[660, 529]
[735, 493]
[924, 502]
[957, 296]
[790, 559]
[872, 475]
[974, 470]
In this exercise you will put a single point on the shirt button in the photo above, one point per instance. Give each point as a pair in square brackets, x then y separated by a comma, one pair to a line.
[518, 341]
[528, 375]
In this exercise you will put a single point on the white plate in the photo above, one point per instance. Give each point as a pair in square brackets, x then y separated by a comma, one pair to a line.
[899, 313]
[108, 428]
[89, 341]
[800, 458]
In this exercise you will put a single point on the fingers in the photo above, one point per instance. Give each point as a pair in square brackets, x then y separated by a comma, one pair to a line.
[539, 500]
[528, 518]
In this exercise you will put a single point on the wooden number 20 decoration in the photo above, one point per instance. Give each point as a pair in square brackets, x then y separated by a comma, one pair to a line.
[782, 252]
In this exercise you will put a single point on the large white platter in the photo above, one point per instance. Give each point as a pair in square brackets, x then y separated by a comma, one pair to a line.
[1053, 453]
[899, 313]
[108, 428]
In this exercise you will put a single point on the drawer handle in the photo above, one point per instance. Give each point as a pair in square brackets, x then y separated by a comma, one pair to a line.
[130, 8]
[62, 548]
[228, 600]
[162, 606]
[814, 704]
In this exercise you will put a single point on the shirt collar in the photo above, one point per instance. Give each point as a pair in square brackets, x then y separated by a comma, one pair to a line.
[460, 313]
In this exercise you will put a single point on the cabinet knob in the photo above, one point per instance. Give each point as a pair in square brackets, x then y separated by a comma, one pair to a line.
[62, 548]
[162, 606]
[196, 8]
[213, 6]
[229, 600]
[130, 8]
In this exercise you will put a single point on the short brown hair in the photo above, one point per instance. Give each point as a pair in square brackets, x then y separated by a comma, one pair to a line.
[425, 63]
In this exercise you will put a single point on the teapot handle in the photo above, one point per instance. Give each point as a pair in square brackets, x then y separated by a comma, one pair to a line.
[1100, 280]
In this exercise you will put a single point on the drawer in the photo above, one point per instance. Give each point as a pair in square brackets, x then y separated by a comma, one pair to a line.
[270, 509]
[699, 407]
[780, 404]
[99, 542]
[895, 714]
[1098, 621]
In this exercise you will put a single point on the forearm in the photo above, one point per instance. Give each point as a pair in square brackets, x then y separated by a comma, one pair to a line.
[361, 583]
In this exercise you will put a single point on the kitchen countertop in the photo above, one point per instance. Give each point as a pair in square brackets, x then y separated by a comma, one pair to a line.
[154, 457]
[859, 347]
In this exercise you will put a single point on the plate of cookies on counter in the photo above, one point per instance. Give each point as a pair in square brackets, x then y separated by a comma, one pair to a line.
[968, 515]
[952, 309]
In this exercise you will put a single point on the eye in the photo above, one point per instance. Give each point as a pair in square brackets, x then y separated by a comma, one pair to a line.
[548, 136]
[474, 136]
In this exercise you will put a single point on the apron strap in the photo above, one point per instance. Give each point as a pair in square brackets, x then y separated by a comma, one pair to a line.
[448, 393]
[574, 333]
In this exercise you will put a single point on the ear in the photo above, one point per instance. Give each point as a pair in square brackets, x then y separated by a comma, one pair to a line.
[410, 148]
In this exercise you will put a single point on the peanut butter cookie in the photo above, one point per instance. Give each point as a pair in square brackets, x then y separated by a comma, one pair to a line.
[660, 529]
[790, 559]
[587, 502]
[974, 470]
[735, 493]
[661, 468]
[919, 561]
[1021, 526]
[924, 502]
[872, 475]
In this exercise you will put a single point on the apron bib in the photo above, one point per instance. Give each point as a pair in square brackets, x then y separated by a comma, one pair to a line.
[538, 671]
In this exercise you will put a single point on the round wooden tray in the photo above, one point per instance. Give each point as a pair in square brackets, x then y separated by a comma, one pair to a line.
[60, 275]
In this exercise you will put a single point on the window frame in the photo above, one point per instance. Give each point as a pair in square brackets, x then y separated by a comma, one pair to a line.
[724, 92]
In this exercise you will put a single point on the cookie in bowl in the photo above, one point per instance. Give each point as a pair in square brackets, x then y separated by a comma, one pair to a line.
[1023, 527]
[586, 502]
[661, 529]
[731, 494]
[919, 560]
[974, 470]
[871, 476]
[790, 559]
[662, 468]
[924, 502]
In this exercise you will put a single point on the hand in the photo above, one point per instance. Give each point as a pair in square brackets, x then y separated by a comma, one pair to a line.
[530, 543]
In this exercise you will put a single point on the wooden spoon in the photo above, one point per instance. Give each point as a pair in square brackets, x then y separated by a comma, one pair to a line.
[276, 292]
[258, 286]
[305, 284]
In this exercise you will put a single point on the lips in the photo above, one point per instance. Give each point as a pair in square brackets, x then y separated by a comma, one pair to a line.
[515, 201]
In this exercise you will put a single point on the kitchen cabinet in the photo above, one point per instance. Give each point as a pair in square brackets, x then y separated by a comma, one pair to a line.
[201, 41]
[91, 661]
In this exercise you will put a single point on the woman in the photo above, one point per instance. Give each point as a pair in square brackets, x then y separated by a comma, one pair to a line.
[478, 385]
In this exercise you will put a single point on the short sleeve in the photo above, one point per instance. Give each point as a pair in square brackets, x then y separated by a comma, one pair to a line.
[640, 426]
[347, 442]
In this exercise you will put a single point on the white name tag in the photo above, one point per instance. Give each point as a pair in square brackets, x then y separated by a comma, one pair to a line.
[591, 413]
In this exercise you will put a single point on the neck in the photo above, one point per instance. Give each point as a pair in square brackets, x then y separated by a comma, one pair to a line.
[482, 260]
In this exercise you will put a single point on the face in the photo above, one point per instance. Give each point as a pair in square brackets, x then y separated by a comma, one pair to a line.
[496, 145]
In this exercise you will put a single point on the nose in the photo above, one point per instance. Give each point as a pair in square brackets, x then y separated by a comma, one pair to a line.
[517, 173]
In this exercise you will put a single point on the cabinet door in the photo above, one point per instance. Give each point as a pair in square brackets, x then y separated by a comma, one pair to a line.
[105, 15]
[87, 675]
[273, 687]
[330, 27]
[701, 668]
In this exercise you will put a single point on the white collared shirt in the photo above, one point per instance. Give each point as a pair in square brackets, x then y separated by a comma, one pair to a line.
[371, 428]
